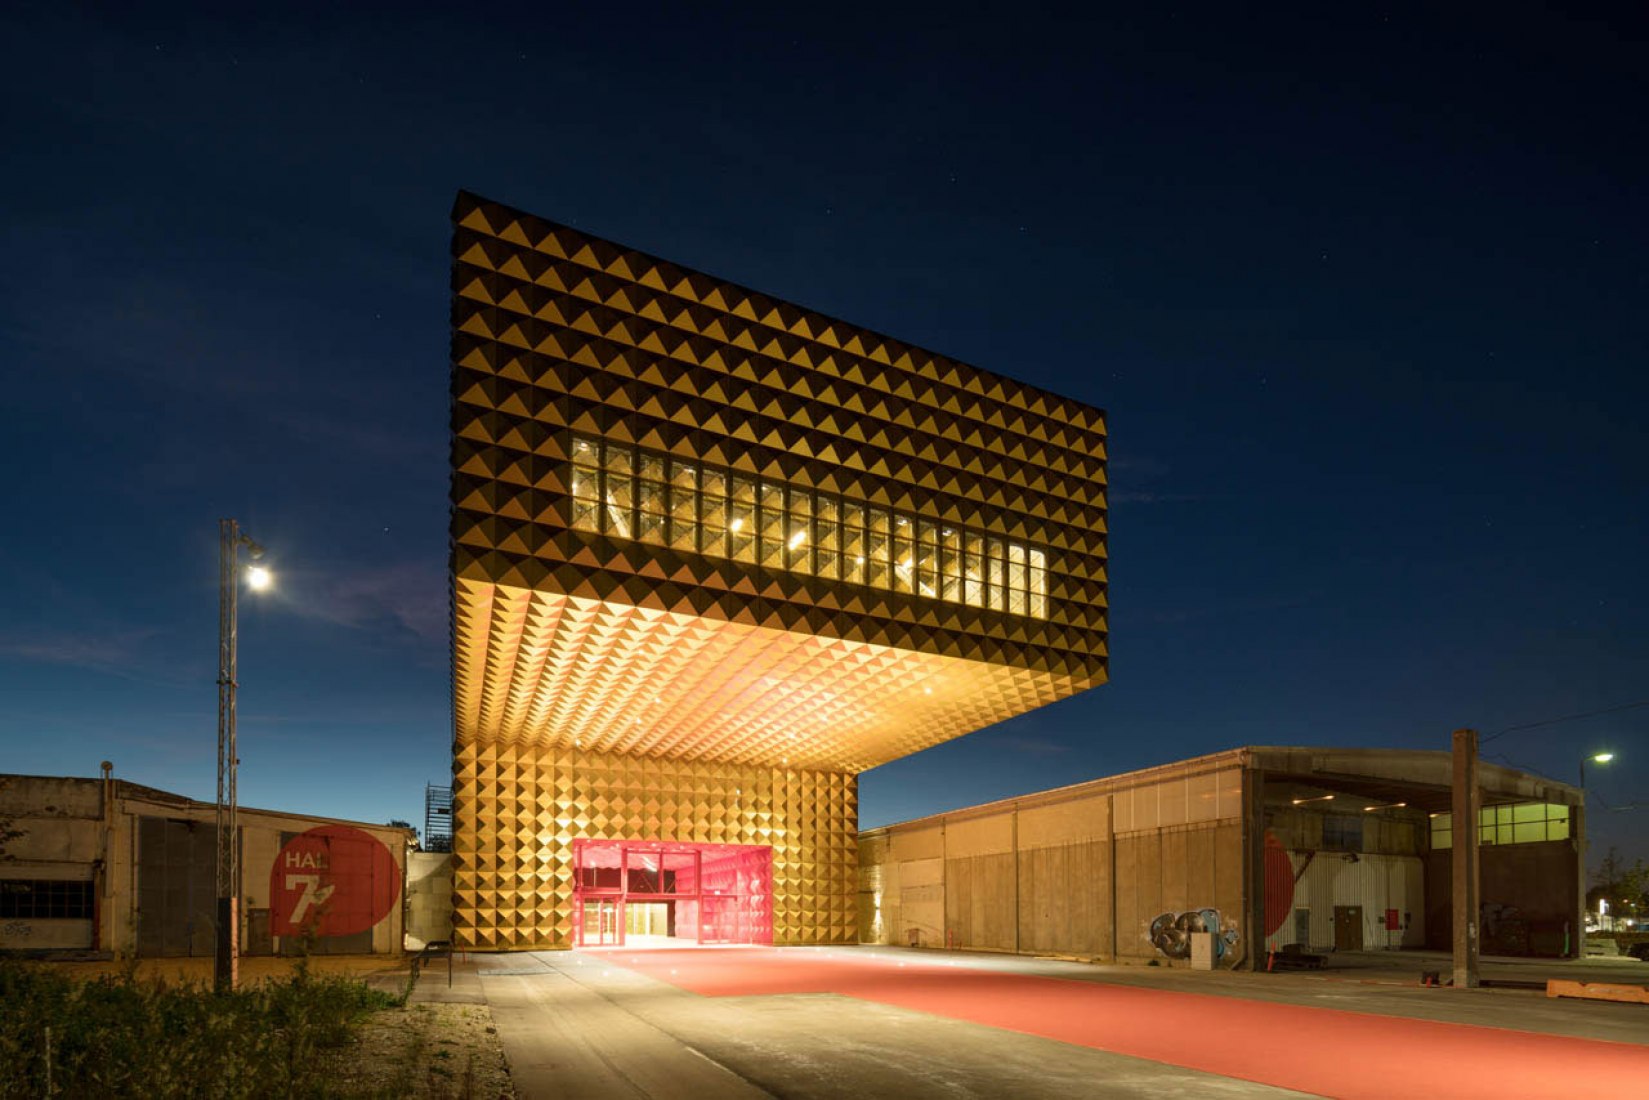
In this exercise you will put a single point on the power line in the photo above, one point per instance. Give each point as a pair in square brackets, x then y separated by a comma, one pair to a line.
[1565, 718]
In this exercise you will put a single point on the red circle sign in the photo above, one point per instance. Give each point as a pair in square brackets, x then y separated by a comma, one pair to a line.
[332, 881]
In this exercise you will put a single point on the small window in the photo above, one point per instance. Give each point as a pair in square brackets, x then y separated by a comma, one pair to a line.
[1342, 833]
[45, 899]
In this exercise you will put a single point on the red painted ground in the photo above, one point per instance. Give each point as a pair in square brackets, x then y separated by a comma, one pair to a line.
[1317, 1050]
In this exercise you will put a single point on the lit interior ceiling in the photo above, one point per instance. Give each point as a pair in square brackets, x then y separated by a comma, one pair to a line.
[555, 670]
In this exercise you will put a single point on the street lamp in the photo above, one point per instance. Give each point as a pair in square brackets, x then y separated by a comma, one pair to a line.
[230, 540]
[1579, 830]
[1596, 758]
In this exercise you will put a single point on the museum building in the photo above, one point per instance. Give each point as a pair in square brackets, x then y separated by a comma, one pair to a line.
[714, 555]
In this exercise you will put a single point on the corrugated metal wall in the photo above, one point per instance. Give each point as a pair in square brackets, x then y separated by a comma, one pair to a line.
[1371, 884]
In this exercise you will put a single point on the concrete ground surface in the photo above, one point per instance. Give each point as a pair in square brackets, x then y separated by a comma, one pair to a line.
[616, 1023]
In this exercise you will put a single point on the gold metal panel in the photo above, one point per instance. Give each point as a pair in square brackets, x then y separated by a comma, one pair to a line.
[517, 811]
[543, 669]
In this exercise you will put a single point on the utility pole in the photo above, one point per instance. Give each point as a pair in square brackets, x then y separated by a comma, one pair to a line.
[1468, 802]
[226, 967]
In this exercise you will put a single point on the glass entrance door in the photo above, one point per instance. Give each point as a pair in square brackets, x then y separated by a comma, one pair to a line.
[601, 926]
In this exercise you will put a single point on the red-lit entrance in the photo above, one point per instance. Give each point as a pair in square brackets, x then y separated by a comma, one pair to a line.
[634, 893]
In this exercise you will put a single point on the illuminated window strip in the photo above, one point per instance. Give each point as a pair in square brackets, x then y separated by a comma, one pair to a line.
[630, 494]
[1513, 823]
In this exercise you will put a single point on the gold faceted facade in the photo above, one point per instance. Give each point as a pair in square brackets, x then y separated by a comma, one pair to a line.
[524, 806]
[620, 664]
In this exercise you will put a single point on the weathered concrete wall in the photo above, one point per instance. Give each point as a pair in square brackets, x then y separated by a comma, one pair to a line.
[68, 835]
[429, 898]
[1528, 898]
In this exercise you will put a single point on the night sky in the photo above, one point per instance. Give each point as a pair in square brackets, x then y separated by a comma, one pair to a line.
[1362, 289]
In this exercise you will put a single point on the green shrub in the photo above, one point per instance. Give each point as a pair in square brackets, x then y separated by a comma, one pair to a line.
[124, 1036]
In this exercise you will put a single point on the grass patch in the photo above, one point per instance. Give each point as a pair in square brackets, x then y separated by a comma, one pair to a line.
[123, 1036]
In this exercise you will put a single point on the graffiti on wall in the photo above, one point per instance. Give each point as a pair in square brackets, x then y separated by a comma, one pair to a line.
[332, 881]
[1171, 932]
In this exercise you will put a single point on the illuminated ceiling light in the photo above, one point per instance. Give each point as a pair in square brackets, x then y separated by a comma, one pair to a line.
[736, 525]
[1385, 806]
[1318, 798]
[797, 539]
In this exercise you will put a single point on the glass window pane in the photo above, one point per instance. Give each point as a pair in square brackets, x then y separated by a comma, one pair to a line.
[997, 572]
[904, 554]
[798, 540]
[1039, 584]
[973, 571]
[713, 513]
[770, 505]
[741, 519]
[950, 563]
[1018, 580]
[853, 543]
[619, 494]
[586, 494]
[618, 457]
[927, 558]
[827, 534]
[879, 549]
[684, 505]
[650, 510]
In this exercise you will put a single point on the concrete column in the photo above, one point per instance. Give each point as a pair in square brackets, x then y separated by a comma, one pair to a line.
[1253, 868]
[1017, 916]
[1111, 848]
[1468, 800]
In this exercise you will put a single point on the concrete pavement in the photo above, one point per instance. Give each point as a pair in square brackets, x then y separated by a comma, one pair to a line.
[577, 1024]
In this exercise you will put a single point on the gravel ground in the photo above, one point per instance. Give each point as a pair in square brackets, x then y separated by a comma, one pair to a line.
[426, 1051]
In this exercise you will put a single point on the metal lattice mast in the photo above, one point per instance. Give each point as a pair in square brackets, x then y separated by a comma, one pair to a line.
[228, 590]
[230, 540]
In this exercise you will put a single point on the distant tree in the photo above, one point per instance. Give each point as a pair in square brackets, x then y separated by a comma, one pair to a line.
[397, 823]
[1625, 886]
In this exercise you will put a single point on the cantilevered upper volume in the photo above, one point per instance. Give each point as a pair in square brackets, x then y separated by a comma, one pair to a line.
[693, 522]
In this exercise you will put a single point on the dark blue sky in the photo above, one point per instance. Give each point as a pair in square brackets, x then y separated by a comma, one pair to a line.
[1363, 291]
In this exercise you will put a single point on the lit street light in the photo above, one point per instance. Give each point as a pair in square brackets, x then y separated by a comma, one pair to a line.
[258, 577]
[1596, 758]
[1580, 837]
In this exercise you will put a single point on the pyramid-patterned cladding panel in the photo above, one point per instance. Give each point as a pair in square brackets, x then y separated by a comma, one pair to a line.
[572, 672]
[517, 811]
[560, 338]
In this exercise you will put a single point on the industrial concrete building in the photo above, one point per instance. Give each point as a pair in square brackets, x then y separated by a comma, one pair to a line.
[106, 866]
[713, 555]
[1265, 848]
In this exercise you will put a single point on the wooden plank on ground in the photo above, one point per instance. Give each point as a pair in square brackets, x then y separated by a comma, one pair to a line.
[1598, 991]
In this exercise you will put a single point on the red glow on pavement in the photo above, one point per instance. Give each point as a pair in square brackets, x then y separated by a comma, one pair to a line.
[1329, 1052]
